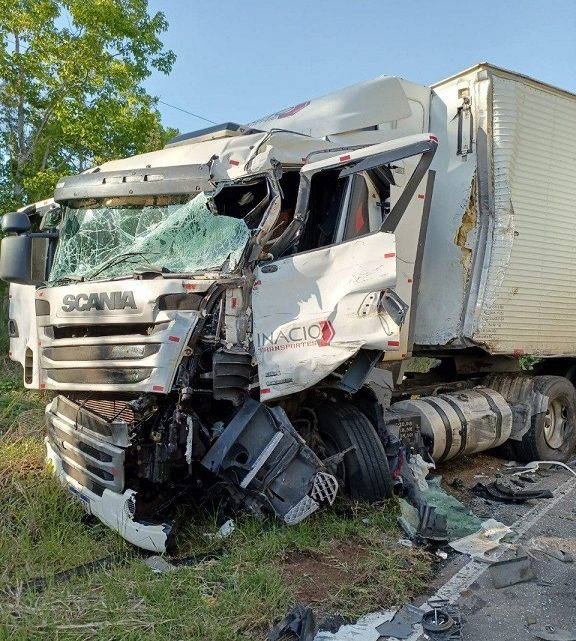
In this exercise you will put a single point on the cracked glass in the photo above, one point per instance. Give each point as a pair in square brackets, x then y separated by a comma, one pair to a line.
[108, 238]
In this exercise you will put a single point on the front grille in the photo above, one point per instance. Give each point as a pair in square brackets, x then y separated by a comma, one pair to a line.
[82, 478]
[112, 357]
[109, 420]
[100, 352]
[110, 409]
[97, 331]
[89, 455]
[101, 375]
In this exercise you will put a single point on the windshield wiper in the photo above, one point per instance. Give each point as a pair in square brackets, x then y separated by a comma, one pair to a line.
[65, 280]
[115, 260]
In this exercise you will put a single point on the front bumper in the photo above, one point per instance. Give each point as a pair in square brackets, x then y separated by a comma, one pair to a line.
[113, 509]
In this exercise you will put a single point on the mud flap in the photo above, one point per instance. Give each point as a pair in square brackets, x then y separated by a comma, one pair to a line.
[267, 461]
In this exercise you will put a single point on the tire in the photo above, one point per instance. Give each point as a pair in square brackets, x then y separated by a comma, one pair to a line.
[552, 434]
[364, 470]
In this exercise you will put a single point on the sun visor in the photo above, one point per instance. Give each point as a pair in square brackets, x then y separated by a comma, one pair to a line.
[363, 105]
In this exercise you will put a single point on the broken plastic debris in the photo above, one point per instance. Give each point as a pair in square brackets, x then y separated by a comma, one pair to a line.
[224, 531]
[158, 564]
[363, 630]
[420, 469]
[227, 528]
[509, 491]
[486, 539]
[557, 548]
[536, 465]
[299, 624]
[407, 543]
[460, 520]
[511, 571]
[400, 626]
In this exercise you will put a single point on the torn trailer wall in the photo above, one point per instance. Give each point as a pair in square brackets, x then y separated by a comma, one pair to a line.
[498, 268]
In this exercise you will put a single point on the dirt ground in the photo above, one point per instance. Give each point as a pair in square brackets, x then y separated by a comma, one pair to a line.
[469, 469]
[318, 575]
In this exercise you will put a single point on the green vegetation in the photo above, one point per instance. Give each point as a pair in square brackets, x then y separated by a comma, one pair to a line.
[71, 93]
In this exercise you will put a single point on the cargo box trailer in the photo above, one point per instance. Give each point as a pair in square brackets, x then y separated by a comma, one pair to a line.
[240, 309]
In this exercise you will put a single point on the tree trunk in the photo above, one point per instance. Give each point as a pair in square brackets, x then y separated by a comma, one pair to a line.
[18, 186]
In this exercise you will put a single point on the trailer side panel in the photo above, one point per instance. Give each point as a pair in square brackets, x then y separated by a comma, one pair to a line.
[527, 298]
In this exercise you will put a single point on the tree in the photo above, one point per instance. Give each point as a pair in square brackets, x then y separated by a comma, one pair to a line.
[71, 93]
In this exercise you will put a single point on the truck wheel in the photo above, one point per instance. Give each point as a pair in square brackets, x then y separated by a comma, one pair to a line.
[552, 434]
[364, 470]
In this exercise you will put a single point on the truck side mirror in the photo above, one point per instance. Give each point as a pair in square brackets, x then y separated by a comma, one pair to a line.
[16, 258]
[16, 221]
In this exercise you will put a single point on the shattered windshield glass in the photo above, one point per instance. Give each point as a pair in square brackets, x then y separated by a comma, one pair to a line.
[110, 238]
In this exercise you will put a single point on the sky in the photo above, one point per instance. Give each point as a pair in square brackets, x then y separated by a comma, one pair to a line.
[240, 59]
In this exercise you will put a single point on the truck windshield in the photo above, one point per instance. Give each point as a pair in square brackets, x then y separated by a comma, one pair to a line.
[108, 238]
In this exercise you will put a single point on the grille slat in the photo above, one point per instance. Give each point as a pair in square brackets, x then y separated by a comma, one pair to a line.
[96, 459]
[100, 352]
[97, 331]
[101, 375]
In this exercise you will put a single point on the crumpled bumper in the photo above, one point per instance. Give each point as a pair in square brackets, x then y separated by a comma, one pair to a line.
[114, 509]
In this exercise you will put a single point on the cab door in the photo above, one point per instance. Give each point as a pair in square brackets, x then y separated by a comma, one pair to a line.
[334, 294]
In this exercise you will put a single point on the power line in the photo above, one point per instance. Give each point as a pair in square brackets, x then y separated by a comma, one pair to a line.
[190, 113]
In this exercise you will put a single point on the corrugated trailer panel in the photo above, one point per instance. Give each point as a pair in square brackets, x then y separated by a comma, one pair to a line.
[527, 298]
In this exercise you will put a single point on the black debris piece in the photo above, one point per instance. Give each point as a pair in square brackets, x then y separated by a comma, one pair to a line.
[457, 484]
[400, 625]
[433, 525]
[507, 491]
[512, 571]
[298, 625]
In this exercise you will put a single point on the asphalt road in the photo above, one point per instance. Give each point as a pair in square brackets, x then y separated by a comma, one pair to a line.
[505, 614]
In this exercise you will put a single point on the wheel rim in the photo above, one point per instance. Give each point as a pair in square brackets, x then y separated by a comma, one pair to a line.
[555, 423]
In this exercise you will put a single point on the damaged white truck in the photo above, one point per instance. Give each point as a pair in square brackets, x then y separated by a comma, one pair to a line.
[233, 315]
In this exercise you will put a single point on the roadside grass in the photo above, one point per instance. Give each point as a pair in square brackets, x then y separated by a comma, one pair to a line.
[41, 529]
[237, 595]
[344, 561]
